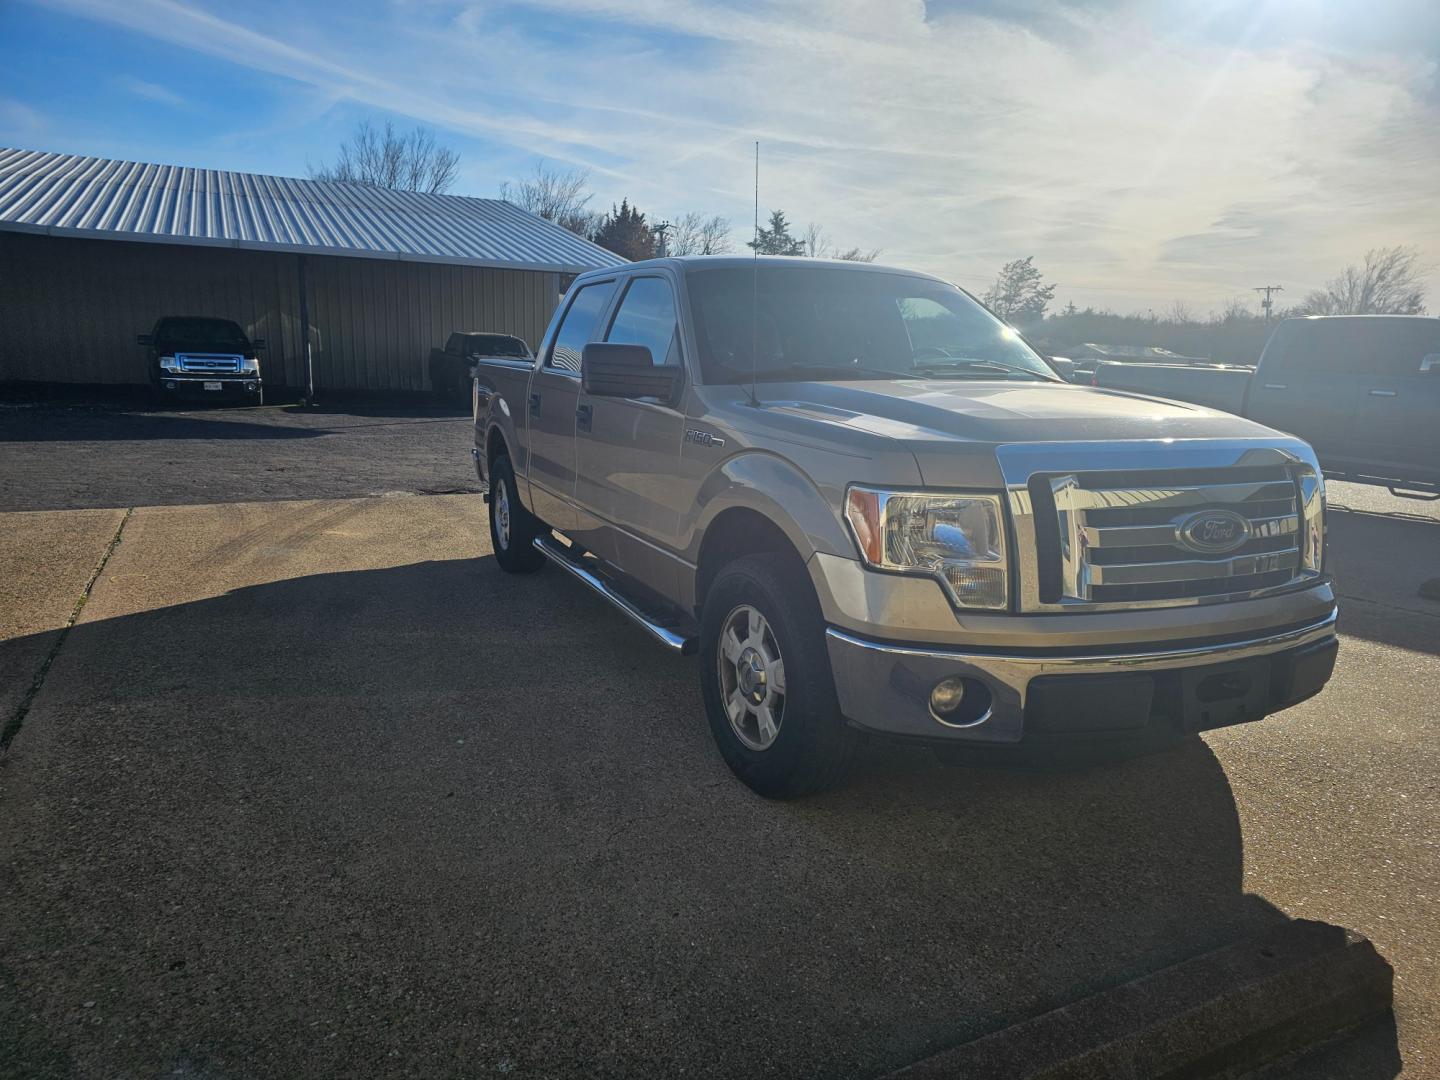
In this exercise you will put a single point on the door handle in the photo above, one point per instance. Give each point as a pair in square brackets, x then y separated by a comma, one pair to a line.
[1382, 393]
[534, 404]
[584, 416]
[1276, 386]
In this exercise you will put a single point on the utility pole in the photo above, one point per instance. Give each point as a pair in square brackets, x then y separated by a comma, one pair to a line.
[661, 229]
[1267, 303]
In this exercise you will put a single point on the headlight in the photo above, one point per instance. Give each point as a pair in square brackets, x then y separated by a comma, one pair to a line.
[250, 364]
[169, 363]
[957, 539]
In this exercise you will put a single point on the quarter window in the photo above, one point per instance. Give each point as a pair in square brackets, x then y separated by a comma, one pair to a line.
[647, 317]
[579, 325]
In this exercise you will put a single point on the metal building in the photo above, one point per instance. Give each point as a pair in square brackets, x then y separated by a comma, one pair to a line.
[93, 251]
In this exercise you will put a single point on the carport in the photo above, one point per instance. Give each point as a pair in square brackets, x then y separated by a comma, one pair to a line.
[93, 251]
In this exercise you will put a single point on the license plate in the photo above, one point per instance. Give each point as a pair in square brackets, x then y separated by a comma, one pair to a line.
[214, 386]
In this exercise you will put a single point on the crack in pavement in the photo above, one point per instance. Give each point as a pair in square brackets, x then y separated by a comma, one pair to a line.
[16, 722]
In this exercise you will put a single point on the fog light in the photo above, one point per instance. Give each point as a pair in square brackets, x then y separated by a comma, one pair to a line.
[249, 386]
[958, 701]
[947, 695]
[170, 384]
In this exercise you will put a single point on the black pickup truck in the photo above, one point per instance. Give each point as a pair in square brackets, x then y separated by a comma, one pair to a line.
[200, 356]
[452, 367]
[1363, 390]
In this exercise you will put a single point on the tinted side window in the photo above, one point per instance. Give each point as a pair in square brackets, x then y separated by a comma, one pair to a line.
[579, 325]
[1355, 346]
[1400, 346]
[647, 317]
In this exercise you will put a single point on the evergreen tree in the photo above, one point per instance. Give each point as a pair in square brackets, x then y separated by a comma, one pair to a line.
[775, 239]
[625, 232]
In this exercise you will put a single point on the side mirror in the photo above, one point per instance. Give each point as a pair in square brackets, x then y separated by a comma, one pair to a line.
[145, 339]
[1064, 367]
[1430, 363]
[626, 371]
[257, 343]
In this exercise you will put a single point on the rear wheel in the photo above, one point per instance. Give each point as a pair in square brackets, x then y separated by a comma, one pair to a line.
[512, 528]
[766, 681]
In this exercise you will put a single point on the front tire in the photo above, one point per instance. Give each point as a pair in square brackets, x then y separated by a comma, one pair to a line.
[766, 680]
[512, 528]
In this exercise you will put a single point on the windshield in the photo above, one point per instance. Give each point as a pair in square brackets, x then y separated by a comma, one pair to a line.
[832, 323]
[200, 334]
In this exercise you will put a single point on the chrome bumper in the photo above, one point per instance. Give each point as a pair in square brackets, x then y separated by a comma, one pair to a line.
[884, 687]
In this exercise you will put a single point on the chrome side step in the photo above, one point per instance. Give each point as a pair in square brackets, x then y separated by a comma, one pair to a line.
[557, 554]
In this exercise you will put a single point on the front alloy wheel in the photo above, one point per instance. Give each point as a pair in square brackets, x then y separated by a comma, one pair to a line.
[752, 677]
[765, 678]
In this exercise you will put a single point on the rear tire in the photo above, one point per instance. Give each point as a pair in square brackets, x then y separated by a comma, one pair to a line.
[512, 528]
[766, 680]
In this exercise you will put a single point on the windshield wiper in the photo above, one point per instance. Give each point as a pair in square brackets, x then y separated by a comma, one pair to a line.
[963, 365]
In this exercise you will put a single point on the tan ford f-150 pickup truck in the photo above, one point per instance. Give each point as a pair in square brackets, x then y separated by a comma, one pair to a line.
[870, 507]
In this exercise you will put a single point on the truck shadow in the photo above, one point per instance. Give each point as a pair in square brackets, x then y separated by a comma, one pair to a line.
[43, 425]
[486, 809]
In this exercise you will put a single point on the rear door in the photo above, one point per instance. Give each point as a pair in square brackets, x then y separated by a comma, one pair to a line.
[628, 449]
[554, 391]
[1309, 384]
[1397, 424]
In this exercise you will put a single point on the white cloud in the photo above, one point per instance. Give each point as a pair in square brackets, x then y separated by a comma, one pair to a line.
[152, 92]
[1137, 160]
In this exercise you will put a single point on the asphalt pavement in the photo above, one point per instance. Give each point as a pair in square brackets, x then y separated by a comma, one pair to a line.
[311, 788]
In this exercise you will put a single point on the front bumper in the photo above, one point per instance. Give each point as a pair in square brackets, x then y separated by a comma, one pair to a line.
[230, 385]
[1073, 693]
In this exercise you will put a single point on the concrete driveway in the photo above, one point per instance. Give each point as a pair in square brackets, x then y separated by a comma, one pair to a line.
[312, 789]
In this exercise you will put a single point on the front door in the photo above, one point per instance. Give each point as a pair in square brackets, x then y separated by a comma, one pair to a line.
[1309, 383]
[554, 392]
[628, 449]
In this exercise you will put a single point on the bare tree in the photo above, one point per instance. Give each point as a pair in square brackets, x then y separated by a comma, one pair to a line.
[1180, 312]
[559, 195]
[386, 158]
[818, 246]
[695, 234]
[1235, 310]
[1389, 282]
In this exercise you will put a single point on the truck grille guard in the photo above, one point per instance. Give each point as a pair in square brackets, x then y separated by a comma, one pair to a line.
[1162, 523]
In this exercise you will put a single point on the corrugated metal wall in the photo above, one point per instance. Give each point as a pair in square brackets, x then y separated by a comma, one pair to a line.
[70, 309]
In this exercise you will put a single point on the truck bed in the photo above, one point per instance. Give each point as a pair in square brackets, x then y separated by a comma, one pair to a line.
[1216, 387]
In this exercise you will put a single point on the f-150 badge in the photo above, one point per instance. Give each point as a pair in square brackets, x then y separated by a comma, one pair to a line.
[703, 438]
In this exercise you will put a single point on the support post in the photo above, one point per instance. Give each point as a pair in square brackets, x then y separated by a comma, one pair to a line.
[305, 336]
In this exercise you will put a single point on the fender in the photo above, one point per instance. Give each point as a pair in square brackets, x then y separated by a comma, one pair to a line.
[776, 489]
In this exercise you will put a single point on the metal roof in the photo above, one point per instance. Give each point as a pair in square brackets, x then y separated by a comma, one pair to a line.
[69, 195]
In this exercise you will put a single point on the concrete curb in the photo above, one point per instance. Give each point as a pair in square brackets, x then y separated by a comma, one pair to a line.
[1217, 1015]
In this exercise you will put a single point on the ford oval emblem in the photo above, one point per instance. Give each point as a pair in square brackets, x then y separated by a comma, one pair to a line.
[1214, 532]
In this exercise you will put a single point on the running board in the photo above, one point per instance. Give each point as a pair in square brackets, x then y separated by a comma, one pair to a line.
[669, 638]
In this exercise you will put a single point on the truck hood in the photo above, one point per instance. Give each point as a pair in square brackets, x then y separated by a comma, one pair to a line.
[952, 427]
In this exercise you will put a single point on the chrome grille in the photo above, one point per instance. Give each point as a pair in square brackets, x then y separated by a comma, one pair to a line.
[1124, 539]
[208, 363]
[1161, 523]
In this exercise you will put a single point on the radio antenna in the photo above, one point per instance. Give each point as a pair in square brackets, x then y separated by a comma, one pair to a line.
[755, 284]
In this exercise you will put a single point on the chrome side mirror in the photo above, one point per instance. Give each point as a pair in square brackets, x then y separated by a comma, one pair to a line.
[1430, 363]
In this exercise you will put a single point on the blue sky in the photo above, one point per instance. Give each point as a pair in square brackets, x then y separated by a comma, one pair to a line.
[1142, 152]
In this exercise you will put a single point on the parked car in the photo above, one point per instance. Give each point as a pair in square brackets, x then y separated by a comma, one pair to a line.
[753, 461]
[452, 367]
[1364, 390]
[199, 356]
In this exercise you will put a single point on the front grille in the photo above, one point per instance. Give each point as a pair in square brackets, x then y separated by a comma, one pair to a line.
[209, 364]
[1125, 538]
